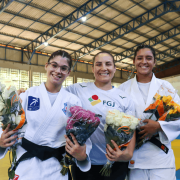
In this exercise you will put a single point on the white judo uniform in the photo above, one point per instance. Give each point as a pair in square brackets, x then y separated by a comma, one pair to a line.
[100, 101]
[149, 156]
[45, 127]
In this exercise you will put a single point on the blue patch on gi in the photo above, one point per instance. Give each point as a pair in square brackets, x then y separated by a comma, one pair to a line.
[33, 103]
[65, 108]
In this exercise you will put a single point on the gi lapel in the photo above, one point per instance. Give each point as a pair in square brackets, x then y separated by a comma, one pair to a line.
[154, 86]
[44, 97]
[137, 97]
[52, 112]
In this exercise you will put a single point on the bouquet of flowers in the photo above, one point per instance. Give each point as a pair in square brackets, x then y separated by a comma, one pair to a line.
[119, 127]
[173, 110]
[162, 108]
[81, 123]
[11, 112]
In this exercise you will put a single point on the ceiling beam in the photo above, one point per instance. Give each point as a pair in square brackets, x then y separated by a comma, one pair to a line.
[130, 26]
[152, 42]
[94, 27]
[161, 55]
[159, 18]
[67, 21]
[91, 26]
[4, 4]
[168, 52]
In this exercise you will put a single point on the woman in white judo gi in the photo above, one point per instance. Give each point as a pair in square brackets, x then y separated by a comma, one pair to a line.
[44, 141]
[99, 96]
[149, 162]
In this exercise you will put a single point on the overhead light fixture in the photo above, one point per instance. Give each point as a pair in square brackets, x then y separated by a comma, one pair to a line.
[46, 43]
[83, 18]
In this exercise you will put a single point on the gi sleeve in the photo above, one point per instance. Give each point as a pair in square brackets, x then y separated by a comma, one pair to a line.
[23, 97]
[130, 108]
[170, 130]
[86, 164]
[72, 89]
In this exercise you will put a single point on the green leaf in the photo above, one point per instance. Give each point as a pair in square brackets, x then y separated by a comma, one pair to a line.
[20, 106]
[3, 111]
[8, 101]
[14, 107]
[119, 131]
[11, 173]
[12, 94]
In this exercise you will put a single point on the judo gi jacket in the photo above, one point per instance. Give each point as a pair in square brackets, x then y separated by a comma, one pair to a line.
[150, 156]
[46, 127]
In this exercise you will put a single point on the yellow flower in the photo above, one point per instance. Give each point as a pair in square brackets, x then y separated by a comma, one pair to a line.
[166, 99]
[157, 96]
[171, 111]
[175, 111]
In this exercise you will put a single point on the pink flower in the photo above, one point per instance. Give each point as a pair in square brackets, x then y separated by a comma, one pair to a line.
[70, 123]
[85, 115]
[74, 109]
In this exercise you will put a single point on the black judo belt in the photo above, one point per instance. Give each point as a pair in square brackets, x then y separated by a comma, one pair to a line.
[41, 152]
[158, 143]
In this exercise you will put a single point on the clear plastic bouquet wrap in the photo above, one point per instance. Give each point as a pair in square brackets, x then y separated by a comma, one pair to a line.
[162, 108]
[11, 112]
[81, 123]
[120, 128]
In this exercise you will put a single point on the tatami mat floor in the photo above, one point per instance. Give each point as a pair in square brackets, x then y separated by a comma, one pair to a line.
[4, 163]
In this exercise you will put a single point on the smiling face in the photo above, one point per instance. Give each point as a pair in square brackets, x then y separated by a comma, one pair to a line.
[103, 68]
[55, 76]
[144, 62]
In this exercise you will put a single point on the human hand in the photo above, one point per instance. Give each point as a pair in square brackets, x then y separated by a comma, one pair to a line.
[6, 140]
[77, 151]
[117, 155]
[150, 128]
[21, 90]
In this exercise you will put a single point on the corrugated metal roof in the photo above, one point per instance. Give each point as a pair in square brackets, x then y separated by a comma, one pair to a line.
[24, 21]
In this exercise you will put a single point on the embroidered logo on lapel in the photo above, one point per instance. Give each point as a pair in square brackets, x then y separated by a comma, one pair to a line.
[82, 85]
[33, 103]
[65, 108]
[16, 177]
[122, 97]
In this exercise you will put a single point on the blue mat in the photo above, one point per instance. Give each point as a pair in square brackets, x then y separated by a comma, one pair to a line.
[178, 174]
[178, 137]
